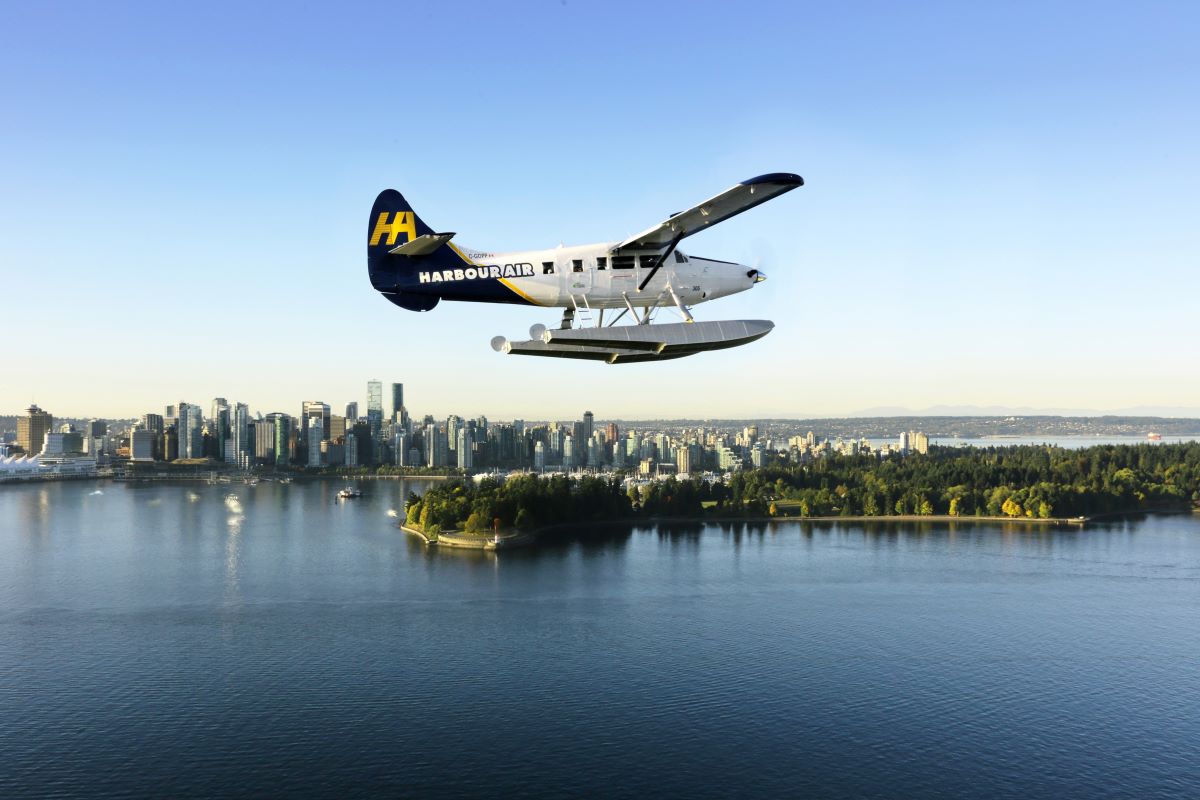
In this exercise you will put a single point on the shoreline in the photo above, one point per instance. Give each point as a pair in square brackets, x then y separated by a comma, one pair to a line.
[458, 539]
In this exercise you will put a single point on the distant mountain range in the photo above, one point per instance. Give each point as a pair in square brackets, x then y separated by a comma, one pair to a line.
[1027, 411]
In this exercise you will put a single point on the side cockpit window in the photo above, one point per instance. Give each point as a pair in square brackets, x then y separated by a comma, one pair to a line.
[680, 258]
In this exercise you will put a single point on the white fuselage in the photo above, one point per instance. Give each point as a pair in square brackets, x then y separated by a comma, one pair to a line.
[592, 276]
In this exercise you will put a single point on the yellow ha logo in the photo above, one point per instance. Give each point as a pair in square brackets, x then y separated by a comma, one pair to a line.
[402, 222]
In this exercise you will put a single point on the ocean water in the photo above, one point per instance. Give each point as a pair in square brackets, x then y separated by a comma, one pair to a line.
[197, 641]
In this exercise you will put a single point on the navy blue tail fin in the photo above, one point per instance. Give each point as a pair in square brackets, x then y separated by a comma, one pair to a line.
[394, 223]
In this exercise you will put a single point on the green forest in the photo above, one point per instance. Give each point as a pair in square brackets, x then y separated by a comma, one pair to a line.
[1017, 482]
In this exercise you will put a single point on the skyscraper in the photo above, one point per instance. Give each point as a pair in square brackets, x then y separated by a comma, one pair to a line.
[220, 425]
[375, 406]
[188, 429]
[314, 409]
[316, 433]
[32, 429]
[352, 412]
[466, 440]
[397, 399]
[239, 446]
[283, 437]
[589, 423]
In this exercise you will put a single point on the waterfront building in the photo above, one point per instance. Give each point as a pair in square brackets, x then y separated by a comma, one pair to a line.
[366, 442]
[333, 454]
[904, 443]
[920, 441]
[264, 441]
[168, 444]
[32, 429]
[316, 434]
[190, 431]
[219, 426]
[284, 435]
[143, 444]
[240, 445]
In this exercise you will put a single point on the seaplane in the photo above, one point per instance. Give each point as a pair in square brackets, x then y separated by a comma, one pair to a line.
[416, 268]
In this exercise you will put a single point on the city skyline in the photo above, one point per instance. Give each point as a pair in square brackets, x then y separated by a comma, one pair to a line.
[997, 212]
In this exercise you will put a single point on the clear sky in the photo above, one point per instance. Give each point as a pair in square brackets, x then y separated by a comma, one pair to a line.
[1001, 201]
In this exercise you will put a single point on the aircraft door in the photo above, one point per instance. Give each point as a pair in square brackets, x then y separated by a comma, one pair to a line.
[581, 274]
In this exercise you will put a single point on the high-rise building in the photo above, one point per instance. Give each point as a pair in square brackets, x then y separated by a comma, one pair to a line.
[568, 451]
[240, 445]
[189, 430]
[314, 410]
[32, 429]
[397, 399]
[437, 448]
[283, 437]
[219, 425]
[589, 423]
[466, 443]
[316, 434]
[539, 457]
[375, 406]
[683, 460]
[352, 411]
[168, 445]
[143, 444]
[264, 441]
[337, 428]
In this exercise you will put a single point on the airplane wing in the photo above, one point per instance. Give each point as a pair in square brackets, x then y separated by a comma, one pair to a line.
[729, 203]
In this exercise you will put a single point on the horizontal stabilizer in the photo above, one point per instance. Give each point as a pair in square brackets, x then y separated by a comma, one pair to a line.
[422, 245]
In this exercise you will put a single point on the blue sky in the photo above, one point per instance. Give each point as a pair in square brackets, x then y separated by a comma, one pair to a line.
[1000, 209]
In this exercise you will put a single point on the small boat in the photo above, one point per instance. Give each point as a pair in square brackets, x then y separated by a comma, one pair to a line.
[1154, 437]
[349, 492]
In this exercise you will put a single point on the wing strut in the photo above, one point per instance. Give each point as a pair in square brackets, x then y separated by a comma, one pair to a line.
[666, 254]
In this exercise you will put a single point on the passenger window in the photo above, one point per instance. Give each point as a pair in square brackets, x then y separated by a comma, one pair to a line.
[577, 265]
[680, 258]
[601, 262]
[547, 267]
[648, 261]
[622, 262]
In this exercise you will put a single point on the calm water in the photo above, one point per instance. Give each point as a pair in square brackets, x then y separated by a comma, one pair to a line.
[167, 641]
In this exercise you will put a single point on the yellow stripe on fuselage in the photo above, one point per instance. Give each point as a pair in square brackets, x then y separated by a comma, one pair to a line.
[504, 281]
